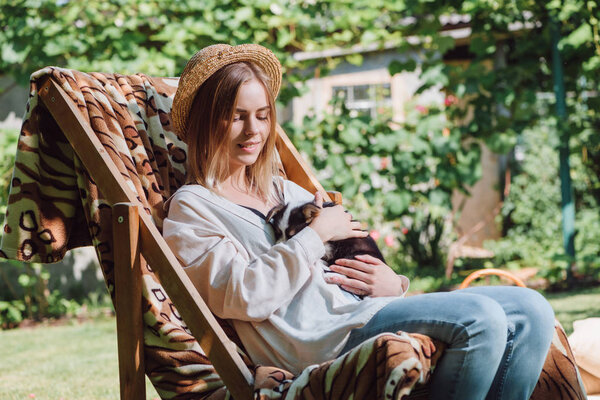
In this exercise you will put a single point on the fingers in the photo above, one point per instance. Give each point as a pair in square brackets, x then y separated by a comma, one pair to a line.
[353, 273]
[351, 285]
[357, 233]
[352, 264]
[354, 290]
[369, 259]
[355, 225]
[318, 199]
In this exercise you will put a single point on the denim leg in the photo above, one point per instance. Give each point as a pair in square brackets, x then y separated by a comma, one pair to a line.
[473, 326]
[531, 327]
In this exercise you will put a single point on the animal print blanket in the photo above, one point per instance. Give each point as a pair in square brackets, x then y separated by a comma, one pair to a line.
[54, 205]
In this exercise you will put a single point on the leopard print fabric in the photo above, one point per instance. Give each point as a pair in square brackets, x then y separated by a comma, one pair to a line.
[560, 377]
[54, 205]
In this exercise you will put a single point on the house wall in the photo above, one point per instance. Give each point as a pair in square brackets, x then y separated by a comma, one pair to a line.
[372, 71]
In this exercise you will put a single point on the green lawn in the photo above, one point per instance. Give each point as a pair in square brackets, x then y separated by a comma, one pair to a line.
[574, 305]
[79, 360]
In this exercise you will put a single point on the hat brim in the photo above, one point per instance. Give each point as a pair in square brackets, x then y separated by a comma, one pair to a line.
[208, 61]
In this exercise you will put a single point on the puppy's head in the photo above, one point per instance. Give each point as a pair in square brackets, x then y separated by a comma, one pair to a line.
[289, 219]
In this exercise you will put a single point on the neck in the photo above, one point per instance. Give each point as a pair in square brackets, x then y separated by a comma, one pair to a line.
[237, 179]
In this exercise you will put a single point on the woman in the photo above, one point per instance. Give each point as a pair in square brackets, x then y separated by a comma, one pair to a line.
[286, 312]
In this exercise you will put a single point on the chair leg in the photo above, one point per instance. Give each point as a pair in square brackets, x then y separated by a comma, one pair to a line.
[128, 300]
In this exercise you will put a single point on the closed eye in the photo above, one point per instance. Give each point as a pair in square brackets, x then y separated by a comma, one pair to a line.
[263, 116]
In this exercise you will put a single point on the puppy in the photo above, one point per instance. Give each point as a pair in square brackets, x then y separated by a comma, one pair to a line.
[289, 219]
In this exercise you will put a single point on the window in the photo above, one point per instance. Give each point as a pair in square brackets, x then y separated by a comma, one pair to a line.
[370, 100]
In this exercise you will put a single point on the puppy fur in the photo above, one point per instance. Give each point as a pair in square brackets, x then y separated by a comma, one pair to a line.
[289, 219]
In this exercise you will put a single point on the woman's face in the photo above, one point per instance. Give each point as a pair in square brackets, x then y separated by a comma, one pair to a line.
[250, 126]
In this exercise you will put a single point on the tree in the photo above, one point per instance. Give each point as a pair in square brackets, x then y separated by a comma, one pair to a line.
[500, 89]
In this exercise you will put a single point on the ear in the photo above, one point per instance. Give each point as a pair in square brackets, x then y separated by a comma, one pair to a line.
[310, 212]
[273, 211]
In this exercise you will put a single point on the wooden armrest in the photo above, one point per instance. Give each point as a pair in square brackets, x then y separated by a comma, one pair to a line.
[335, 197]
[491, 271]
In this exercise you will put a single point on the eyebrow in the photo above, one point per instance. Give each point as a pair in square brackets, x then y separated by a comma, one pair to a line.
[241, 110]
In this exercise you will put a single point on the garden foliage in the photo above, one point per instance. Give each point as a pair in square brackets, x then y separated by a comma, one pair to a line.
[27, 296]
[531, 215]
[399, 177]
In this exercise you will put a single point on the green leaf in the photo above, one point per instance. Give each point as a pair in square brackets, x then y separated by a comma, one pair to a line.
[579, 37]
[434, 75]
[482, 46]
[355, 59]
[244, 14]
[438, 197]
[385, 142]
[352, 135]
[592, 65]
[397, 66]
[368, 37]
[14, 315]
[284, 36]
[396, 203]
[443, 43]
[25, 280]
[501, 142]
[344, 36]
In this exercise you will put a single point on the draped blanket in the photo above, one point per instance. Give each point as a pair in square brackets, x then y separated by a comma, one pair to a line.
[54, 205]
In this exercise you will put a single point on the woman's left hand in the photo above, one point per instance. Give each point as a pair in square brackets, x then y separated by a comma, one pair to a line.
[367, 276]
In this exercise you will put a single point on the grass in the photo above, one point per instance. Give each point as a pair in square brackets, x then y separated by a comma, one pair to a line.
[73, 361]
[79, 360]
[576, 304]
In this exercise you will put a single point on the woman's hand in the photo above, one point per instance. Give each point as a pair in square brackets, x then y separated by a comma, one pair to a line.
[367, 276]
[333, 223]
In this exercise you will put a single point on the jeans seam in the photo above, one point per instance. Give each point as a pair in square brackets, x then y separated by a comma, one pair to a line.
[464, 330]
[503, 370]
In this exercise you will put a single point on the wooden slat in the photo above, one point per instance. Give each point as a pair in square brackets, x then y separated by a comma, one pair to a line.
[219, 348]
[336, 197]
[296, 169]
[128, 301]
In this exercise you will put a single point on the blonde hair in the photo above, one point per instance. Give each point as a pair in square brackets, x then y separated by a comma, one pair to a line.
[207, 136]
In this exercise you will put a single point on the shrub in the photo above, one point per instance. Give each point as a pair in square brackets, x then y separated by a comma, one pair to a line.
[531, 214]
[398, 178]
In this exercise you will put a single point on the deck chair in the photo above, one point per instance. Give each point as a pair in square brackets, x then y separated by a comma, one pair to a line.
[96, 160]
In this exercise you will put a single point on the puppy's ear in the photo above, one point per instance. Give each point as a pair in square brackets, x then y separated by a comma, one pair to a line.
[310, 212]
[273, 211]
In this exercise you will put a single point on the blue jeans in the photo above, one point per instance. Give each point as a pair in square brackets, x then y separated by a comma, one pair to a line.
[498, 338]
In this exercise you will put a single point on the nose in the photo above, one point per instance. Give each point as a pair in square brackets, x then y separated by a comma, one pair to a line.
[251, 126]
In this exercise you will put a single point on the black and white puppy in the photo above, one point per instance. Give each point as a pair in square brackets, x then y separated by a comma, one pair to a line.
[289, 219]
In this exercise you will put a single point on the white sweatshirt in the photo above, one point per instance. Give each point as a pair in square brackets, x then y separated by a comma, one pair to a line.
[275, 294]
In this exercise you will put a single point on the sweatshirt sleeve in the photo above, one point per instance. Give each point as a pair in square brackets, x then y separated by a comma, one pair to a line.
[233, 285]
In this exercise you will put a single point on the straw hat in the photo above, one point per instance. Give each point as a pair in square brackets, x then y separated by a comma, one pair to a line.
[208, 61]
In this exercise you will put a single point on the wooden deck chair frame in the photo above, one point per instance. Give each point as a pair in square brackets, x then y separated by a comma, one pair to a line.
[139, 237]
[141, 240]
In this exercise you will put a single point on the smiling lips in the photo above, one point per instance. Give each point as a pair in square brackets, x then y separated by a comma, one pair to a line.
[248, 146]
